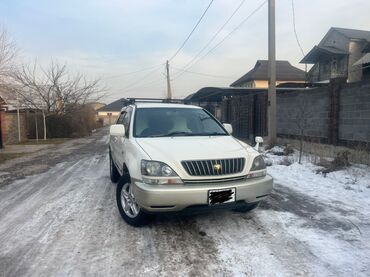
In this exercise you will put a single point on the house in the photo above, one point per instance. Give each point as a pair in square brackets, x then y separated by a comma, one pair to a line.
[109, 113]
[96, 105]
[341, 53]
[10, 118]
[258, 76]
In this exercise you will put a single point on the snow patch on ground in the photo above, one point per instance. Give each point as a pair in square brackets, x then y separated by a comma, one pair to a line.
[343, 249]
[349, 187]
[104, 139]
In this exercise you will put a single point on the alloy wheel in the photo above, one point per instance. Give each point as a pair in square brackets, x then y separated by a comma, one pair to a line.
[129, 205]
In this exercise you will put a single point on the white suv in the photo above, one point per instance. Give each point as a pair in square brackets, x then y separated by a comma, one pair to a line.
[172, 157]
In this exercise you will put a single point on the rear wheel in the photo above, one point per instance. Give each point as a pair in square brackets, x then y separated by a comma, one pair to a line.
[127, 206]
[113, 171]
[246, 208]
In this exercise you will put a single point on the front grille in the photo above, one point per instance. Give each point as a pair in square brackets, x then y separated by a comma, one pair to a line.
[214, 167]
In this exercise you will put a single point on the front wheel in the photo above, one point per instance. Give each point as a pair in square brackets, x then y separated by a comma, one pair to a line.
[127, 206]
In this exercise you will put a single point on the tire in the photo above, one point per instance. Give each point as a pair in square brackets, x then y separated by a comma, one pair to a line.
[128, 208]
[113, 171]
[246, 208]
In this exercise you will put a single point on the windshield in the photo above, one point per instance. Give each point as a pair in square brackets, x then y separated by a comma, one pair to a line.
[168, 122]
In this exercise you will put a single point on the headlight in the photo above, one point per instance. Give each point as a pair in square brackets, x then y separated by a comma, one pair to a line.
[258, 164]
[258, 168]
[158, 169]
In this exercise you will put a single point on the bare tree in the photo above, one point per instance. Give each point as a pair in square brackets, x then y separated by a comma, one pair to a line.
[299, 118]
[8, 53]
[54, 88]
[302, 117]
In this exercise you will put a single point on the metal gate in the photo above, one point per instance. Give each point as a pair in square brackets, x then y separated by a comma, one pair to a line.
[247, 114]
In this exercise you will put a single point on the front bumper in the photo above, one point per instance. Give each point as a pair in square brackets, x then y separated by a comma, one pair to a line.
[174, 198]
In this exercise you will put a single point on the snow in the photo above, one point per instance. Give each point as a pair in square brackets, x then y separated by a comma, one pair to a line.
[64, 221]
[344, 249]
[349, 188]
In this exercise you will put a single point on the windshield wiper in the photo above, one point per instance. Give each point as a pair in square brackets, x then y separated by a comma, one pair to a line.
[213, 134]
[187, 134]
[178, 133]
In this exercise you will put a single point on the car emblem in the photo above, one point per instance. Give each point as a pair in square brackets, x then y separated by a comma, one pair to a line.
[217, 167]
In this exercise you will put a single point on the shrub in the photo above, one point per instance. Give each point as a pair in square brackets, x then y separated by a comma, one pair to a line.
[286, 161]
[340, 161]
[288, 150]
[76, 121]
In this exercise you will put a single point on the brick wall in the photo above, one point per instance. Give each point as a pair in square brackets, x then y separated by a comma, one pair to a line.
[10, 127]
[294, 107]
[339, 114]
[354, 116]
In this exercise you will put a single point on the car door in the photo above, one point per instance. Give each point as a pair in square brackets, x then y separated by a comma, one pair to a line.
[115, 144]
[122, 142]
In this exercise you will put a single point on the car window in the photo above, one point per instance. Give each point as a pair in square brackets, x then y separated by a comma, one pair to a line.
[162, 122]
[120, 118]
[126, 121]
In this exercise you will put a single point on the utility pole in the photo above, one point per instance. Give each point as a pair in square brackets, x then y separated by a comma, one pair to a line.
[18, 120]
[169, 92]
[271, 125]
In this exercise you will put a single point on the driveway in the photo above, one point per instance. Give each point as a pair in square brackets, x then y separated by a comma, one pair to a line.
[58, 217]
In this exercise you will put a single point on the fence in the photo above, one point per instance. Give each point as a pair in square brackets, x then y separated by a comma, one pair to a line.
[338, 114]
[247, 114]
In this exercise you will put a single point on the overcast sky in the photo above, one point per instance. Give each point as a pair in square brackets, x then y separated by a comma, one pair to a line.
[110, 38]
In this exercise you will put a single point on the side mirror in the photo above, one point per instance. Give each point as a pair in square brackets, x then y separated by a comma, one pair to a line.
[258, 141]
[117, 130]
[228, 128]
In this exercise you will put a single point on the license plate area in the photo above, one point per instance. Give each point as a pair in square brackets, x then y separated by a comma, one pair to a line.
[221, 196]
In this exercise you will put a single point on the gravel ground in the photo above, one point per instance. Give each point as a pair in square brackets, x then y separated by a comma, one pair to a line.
[58, 217]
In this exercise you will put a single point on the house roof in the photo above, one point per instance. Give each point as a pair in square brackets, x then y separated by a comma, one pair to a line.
[8, 98]
[216, 94]
[115, 106]
[364, 60]
[353, 33]
[318, 50]
[284, 72]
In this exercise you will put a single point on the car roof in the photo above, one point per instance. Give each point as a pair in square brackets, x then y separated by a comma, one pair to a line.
[163, 105]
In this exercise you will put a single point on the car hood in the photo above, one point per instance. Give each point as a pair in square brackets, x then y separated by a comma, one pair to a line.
[176, 149]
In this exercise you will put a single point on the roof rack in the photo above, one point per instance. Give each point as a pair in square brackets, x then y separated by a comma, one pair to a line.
[155, 100]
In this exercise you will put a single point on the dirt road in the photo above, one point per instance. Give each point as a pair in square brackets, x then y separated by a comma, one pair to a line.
[58, 217]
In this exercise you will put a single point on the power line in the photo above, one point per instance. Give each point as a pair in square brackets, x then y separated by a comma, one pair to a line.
[203, 74]
[137, 81]
[133, 72]
[144, 85]
[295, 30]
[297, 39]
[227, 36]
[215, 34]
[192, 31]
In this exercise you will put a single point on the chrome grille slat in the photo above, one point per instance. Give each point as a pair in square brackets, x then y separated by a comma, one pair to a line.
[207, 167]
[192, 172]
[186, 166]
[195, 167]
[200, 172]
[203, 168]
